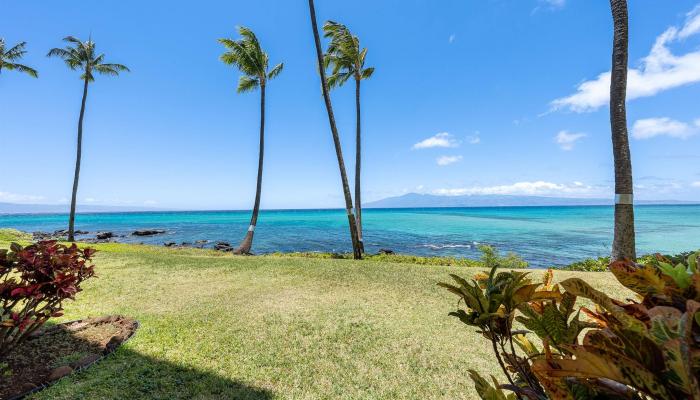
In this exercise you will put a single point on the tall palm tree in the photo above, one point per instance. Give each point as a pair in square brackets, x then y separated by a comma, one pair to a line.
[356, 248]
[252, 61]
[9, 56]
[623, 241]
[79, 55]
[347, 60]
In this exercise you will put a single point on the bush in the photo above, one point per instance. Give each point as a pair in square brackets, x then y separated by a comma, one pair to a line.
[34, 282]
[490, 258]
[646, 349]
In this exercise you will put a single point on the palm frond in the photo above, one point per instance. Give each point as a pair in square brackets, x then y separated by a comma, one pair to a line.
[339, 79]
[367, 73]
[247, 84]
[16, 52]
[275, 71]
[22, 68]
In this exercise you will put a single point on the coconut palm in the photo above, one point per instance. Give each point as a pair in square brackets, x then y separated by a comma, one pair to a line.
[9, 56]
[347, 60]
[81, 56]
[356, 248]
[247, 55]
[623, 241]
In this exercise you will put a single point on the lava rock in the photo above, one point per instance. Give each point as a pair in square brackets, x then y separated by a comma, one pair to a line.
[386, 251]
[104, 235]
[148, 232]
[223, 246]
[169, 244]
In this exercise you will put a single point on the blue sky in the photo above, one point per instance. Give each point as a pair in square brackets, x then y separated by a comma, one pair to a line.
[468, 97]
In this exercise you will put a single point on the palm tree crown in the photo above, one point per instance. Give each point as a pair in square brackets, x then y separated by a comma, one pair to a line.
[7, 58]
[248, 56]
[344, 55]
[79, 55]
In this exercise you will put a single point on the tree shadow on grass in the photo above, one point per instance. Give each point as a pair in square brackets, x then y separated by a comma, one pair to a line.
[127, 374]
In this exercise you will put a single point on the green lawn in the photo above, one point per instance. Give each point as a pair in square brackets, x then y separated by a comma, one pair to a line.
[219, 326]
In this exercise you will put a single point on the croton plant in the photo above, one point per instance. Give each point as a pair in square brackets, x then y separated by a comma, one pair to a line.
[642, 348]
[34, 282]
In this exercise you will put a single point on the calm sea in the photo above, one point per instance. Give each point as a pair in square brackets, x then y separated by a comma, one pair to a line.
[544, 236]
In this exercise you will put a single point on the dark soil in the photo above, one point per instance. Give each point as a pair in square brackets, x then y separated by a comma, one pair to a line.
[58, 350]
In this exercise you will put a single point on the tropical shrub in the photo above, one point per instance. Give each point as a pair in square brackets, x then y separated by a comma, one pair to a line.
[491, 258]
[34, 282]
[648, 348]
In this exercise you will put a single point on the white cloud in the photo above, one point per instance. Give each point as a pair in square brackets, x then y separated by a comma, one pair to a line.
[19, 198]
[659, 71]
[447, 160]
[442, 139]
[150, 203]
[521, 188]
[452, 38]
[651, 127]
[554, 3]
[695, 184]
[475, 138]
[567, 140]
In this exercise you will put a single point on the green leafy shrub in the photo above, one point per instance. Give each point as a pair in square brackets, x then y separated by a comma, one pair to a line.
[34, 282]
[645, 349]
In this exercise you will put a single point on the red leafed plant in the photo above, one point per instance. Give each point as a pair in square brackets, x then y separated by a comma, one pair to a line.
[34, 282]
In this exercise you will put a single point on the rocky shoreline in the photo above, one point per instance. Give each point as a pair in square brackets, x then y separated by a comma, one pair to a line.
[112, 237]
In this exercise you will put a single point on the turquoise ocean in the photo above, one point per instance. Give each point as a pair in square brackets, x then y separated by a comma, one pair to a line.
[544, 236]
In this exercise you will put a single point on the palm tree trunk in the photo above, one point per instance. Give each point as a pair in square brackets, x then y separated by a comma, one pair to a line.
[247, 242]
[357, 253]
[358, 167]
[76, 176]
[624, 241]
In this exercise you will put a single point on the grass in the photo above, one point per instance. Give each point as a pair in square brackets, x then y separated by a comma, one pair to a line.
[218, 326]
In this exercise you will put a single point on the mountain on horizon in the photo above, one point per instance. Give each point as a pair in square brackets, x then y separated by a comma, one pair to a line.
[419, 200]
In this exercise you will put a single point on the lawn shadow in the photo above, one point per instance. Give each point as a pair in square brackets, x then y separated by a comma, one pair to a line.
[126, 374]
[123, 374]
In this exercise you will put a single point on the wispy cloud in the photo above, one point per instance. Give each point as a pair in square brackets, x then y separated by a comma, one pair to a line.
[652, 127]
[452, 38]
[523, 188]
[549, 4]
[447, 160]
[475, 138]
[659, 71]
[567, 140]
[442, 139]
[20, 198]
[695, 184]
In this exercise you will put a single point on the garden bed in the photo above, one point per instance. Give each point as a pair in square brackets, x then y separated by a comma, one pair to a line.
[60, 350]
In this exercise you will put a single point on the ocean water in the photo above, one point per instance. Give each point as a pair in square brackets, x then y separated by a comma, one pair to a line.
[544, 236]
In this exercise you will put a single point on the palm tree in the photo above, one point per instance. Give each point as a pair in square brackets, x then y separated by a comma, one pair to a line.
[79, 55]
[623, 241]
[8, 58]
[252, 61]
[347, 60]
[356, 249]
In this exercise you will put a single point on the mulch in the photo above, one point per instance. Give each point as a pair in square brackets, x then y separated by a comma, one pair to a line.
[59, 350]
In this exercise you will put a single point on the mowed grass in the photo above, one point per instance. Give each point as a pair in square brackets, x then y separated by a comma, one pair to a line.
[217, 326]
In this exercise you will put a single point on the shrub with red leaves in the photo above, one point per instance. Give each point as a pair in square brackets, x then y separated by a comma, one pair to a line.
[34, 282]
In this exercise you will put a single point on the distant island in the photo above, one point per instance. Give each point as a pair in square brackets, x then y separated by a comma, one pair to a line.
[418, 200]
